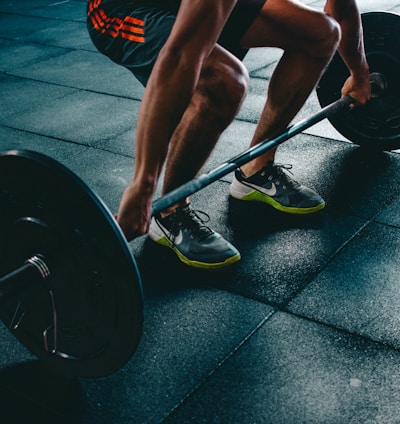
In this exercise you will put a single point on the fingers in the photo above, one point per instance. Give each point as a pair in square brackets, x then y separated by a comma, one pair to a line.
[134, 214]
[128, 232]
[359, 90]
[131, 229]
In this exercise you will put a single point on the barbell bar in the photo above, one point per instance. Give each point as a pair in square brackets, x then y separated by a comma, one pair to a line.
[378, 89]
[206, 179]
[71, 291]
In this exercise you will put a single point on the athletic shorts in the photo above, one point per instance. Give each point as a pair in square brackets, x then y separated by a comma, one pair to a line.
[132, 35]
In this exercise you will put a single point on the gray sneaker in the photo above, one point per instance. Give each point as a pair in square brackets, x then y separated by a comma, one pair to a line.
[274, 186]
[194, 243]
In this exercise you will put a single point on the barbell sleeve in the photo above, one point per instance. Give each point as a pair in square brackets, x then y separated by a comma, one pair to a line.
[21, 281]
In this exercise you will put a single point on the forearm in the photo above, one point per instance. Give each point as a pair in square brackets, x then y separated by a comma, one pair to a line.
[166, 96]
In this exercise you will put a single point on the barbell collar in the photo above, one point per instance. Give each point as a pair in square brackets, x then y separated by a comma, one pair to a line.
[24, 280]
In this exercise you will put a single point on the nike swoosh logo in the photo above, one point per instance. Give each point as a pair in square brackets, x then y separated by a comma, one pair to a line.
[268, 191]
[178, 238]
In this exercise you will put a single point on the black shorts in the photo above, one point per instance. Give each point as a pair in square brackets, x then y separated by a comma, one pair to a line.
[133, 35]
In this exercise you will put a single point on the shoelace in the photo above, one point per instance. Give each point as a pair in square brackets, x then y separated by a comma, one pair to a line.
[278, 170]
[195, 220]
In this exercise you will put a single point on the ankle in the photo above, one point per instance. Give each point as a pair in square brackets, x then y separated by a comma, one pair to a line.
[172, 209]
[249, 171]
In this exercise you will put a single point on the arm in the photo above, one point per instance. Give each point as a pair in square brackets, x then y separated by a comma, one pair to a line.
[351, 48]
[168, 93]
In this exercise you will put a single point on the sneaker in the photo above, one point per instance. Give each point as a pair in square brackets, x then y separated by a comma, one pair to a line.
[274, 186]
[195, 244]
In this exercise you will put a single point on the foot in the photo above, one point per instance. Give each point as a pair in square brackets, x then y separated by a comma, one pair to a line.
[194, 243]
[274, 186]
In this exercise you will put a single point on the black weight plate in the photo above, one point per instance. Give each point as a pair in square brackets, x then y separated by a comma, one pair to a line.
[95, 287]
[377, 124]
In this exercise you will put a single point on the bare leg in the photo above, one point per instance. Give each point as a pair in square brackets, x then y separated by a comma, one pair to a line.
[221, 89]
[218, 95]
[309, 39]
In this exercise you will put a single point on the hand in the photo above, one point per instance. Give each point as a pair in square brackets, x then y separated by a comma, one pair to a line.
[358, 88]
[134, 213]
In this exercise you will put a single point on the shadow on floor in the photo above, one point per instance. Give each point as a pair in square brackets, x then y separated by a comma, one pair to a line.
[30, 393]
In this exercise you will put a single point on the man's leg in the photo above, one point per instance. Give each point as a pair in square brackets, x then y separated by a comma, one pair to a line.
[221, 89]
[219, 94]
[309, 38]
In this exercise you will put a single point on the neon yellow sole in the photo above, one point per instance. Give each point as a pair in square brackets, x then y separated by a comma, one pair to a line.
[256, 196]
[196, 264]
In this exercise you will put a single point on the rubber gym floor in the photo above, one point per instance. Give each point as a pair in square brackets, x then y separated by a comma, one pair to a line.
[304, 329]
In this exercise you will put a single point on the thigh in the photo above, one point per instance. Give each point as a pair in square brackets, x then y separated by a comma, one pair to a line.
[285, 24]
[241, 18]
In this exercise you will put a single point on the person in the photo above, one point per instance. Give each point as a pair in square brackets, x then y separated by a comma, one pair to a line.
[188, 55]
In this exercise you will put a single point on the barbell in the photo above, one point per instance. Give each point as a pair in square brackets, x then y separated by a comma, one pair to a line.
[71, 291]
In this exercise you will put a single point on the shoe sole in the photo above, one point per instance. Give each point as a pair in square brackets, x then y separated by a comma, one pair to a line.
[160, 238]
[256, 196]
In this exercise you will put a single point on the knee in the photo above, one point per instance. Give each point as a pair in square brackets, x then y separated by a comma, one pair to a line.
[333, 33]
[225, 85]
[328, 39]
[234, 82]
